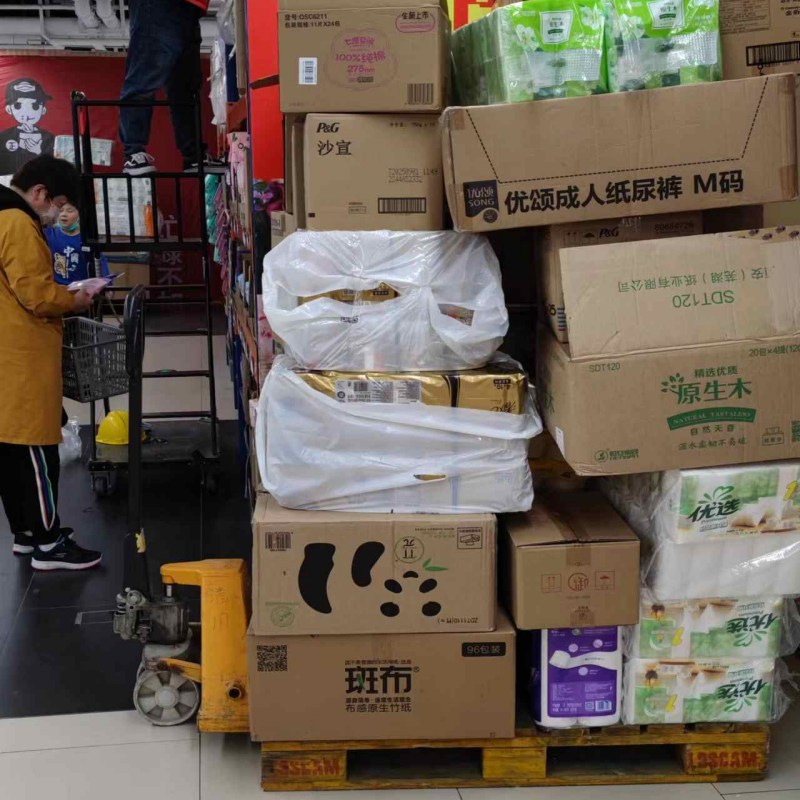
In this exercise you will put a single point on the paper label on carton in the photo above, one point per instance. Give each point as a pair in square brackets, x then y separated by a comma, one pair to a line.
[307, 72]
[377, 391]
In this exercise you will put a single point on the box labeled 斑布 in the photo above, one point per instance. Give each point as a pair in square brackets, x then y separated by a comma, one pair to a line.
[701, 406]
[710, 145]
[644, 295]
[373, 172]
[571, 561]
[380, 56]
[609, 231]
[337, 573]
[410, 686]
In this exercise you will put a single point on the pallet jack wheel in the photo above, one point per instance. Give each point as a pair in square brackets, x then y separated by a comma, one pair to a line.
[104, 484]
[165, 697]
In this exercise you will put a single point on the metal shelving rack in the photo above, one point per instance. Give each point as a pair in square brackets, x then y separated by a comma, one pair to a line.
[190, 436]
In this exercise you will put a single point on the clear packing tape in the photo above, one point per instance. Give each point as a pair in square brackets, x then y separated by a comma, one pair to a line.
[705, 690]
[385, 300]
[319, 453]
[655, 43]
[533, 50]
[718, 532]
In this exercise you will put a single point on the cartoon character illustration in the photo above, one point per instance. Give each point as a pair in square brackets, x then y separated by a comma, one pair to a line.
[26, 102]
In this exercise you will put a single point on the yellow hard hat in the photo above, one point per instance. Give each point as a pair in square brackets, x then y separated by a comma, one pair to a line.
[114, 428]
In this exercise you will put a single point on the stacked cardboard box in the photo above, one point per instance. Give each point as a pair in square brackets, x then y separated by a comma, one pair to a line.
[371, 615]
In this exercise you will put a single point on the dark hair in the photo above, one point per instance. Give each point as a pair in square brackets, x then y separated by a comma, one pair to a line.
[25, 87]
[58, 176]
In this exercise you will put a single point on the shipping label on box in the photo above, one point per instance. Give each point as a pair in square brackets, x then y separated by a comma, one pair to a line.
[608, 231]
[710, 145]
[645, 295]
[379, 57]
[373, 172]
[406, 686]
[325, 573]
[572, 561]
[703, 406]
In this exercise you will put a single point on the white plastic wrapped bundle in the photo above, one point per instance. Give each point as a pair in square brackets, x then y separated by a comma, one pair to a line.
[703, 690]
[449, 312]
[315, 452]
[718, 532]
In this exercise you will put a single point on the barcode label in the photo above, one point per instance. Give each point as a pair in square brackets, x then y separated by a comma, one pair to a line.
[419, 94]
[272, 657]
[602, 705]
[279, 542]
[308, 71]
[395, 392]
[402, 205]
[760, 55]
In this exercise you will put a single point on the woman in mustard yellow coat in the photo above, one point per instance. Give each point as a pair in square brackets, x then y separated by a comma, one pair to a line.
[31, 309]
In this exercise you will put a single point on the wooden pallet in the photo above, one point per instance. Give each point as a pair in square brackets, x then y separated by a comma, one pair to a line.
[584, 756]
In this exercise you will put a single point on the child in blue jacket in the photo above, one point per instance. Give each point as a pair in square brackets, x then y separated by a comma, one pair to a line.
[69, 262]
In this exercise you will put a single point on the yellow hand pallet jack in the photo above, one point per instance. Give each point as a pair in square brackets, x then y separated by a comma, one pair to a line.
[179, 656]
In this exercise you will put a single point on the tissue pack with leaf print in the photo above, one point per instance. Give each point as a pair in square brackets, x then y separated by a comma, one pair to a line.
[533, 50]
[700, 690]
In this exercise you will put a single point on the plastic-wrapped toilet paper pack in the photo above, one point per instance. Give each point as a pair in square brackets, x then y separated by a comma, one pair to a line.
[576, 677]
[655, 43]
[718, 532]
[702, 690]
[764, 627]
[532, 50]
[389, 450]
[385, 300]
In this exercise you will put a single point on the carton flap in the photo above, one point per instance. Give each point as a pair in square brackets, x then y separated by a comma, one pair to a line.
[569, 518]
[337, 5]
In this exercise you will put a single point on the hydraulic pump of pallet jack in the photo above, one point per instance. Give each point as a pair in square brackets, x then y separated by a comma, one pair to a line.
[161, 621]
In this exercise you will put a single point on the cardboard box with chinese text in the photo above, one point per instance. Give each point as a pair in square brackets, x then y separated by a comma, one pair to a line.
[703, 406]
[318, 572]
[571, 561]
[373, 172]
[379, 56]
[282, 223]
[645, 295]
[684, 148]
[390, 686]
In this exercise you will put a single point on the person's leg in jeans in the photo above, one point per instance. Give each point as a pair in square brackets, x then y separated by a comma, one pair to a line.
[156, 45]
[184, 84]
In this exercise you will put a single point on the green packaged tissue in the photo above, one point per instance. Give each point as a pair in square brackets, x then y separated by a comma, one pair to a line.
[662, 43]
[533, 50]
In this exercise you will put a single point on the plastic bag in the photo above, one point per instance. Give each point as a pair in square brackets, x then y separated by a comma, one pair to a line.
[763, 627]
[71, 447]
[716, 532]
[655, 43]
[533, 50]
[385, 300]
[317, 452]
[704, 690]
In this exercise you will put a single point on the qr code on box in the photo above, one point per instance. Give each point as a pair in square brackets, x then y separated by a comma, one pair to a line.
[272, 658]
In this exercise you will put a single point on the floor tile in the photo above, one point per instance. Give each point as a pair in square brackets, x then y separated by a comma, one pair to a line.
[791, 794]
[687, 791]
[121, 772]
[85, 730]
[784, 765]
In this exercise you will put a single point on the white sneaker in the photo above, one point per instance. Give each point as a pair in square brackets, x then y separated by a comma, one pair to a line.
[139, 164]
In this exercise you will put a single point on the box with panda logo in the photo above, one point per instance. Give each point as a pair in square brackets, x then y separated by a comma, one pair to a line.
[318, 572]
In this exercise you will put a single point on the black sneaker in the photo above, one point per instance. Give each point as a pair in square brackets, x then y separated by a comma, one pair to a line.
[65, 555]
[211, 165]
[139, 164]
[23, 542]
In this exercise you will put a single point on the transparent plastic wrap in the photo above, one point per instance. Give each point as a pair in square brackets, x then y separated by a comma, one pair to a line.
[71, 447]
[338, 442]
[757, 627]
[218, 93]
[717, 532]
[533, 50]
[385, 300]
[655, 43]
[705, 690]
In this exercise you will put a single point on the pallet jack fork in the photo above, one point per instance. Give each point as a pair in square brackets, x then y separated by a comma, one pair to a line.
[178, 656]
